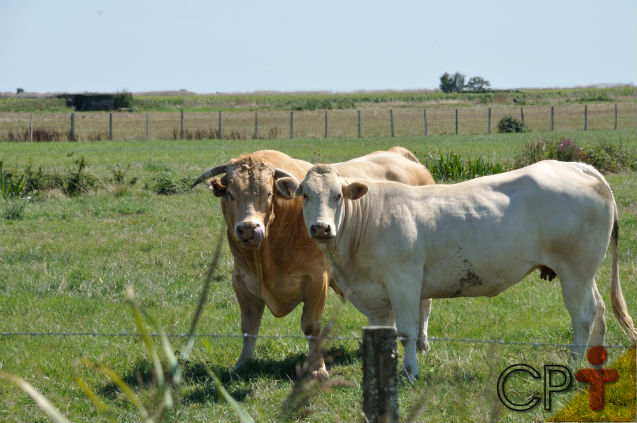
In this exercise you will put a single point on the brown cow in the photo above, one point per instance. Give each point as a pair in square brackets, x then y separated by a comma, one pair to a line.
[276, 263]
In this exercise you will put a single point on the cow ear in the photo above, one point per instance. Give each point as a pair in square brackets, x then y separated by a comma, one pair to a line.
[354, 191]
[289, 187]
[217, 187]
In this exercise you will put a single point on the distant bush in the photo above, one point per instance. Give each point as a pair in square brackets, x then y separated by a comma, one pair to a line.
[123, 100]
[165, 184]
[604, 156]
[509, 124]
[451, 167]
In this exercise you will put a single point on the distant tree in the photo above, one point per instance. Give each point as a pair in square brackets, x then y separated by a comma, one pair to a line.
[19, 91]
[459, 80]
[447, 85]
[452, 83]
[478, 83]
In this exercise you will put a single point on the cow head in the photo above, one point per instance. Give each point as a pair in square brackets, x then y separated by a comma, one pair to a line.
[323, 193]
[247, 196]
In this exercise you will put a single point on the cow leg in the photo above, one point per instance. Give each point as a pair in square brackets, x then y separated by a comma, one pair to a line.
[311, 326]
[425, 309]
[251, 314]
[406, 307]
[579, 298]
[599, 324]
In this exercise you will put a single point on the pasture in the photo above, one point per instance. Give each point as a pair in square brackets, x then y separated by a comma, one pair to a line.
[65, 263]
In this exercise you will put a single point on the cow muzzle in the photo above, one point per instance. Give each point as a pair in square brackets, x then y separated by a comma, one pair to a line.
[251, 234]
[322, 231]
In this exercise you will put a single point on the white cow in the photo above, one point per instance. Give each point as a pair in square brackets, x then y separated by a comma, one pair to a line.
[391, 245]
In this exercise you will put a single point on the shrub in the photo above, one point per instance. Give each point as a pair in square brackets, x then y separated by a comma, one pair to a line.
[165, 184]
[13, 208]
[509, 124]
[123, 100]
[609, 157]
[604, 156]
[11, 186]
[77, 181]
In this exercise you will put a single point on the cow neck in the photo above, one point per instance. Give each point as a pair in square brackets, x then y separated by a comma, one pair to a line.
[353, 224]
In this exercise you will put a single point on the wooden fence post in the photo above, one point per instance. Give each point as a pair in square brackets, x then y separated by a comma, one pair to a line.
[456, 121]
[325, 124]
[359, 123]
[110, 126]
[380, 374]
[291, 125]
[615, 127]
[256, 125]
[489, 122]
[552, 118]
[31, 125]
[522, 114]
[391, 121]
[585, 117]
[220, 130]
[181, 126]
[147, 128]
[72, 136]
[426, 128]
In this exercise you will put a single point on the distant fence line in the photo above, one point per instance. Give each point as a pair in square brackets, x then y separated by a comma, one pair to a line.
[103, 126]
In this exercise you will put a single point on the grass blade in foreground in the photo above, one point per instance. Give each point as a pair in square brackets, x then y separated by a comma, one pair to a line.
[40, 399]
[244, 417]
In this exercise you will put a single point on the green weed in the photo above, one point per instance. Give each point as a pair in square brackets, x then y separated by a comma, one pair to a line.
[450, 167]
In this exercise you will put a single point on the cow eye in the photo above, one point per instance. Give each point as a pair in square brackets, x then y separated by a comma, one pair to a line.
[305, 196]
[338, 197]
[269, 194]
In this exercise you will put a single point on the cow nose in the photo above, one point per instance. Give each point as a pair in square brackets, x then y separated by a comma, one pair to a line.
[245, 230]
[321, 230]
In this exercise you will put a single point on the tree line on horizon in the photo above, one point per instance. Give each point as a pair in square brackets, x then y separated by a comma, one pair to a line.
[456, 83]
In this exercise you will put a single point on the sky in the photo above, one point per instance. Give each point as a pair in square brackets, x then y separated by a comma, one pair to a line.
[298, 45]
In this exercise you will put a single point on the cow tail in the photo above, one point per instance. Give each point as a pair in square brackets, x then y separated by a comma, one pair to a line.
[617, 297]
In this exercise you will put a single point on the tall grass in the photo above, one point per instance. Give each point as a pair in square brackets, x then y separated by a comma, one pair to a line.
[450, 167]
[167, 369]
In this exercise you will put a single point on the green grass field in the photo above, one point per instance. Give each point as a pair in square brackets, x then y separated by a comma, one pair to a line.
[65, 263]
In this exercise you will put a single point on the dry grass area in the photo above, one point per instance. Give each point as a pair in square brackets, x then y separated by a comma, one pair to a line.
[375, 122]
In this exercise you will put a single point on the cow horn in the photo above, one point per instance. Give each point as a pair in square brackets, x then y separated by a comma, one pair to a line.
[279, 173]
[208, 173]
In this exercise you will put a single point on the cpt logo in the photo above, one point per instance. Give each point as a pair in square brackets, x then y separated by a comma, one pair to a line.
[558, 378]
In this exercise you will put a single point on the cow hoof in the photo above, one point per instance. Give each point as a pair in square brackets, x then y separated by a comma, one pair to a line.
[405, 376]
[240, 367]
[320, 374]
[423, 345]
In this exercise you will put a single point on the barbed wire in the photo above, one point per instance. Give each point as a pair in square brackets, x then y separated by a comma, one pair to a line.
[305, 337]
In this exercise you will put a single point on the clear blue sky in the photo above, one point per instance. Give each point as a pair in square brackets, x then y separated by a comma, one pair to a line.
[248, 45]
